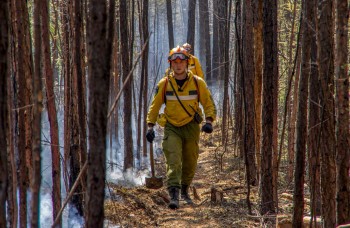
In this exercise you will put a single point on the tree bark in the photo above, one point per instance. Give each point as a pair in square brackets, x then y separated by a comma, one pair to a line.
[248, 83]
[342, 115]
[270, 72]
[4, 115]
[301, 130]
[258, 60]
[314, 124]
[169, 17]
[191, 25]
[37, 98]
[327, 147]
[204, 43]
[99, 38]
[127, 109]
[52, 113]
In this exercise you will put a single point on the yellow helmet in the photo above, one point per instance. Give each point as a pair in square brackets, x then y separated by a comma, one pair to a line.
[178, 53]
[187, 46]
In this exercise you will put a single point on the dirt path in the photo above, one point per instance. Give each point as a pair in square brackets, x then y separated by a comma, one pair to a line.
[142, 207]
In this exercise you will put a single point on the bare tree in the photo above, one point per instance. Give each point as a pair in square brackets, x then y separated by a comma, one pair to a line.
[100, 39]
[342, 114]
[169, 17]
[4, 23]
[325, 57]
[270, 72]
[301, 130]
[257, 6]
[204, 38]
[191, 25]
[127, 109]
[52, 114]
[37, 98]
[314, 123]
[248, 88]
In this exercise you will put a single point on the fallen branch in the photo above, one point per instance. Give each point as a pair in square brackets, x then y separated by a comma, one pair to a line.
[82, 171]
[126, 80]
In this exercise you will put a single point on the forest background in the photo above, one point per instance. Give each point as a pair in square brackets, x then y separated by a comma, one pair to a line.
[77, 77]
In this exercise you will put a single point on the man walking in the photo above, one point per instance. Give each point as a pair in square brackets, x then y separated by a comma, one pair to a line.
[193, 62]
[181, 92]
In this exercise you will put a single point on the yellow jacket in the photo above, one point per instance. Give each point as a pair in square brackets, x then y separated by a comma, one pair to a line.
[174, 113]
[195, 66]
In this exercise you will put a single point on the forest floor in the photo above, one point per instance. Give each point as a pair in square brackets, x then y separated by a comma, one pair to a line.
[218, 190]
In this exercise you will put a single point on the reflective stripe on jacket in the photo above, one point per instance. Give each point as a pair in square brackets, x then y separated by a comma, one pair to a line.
[188, 95]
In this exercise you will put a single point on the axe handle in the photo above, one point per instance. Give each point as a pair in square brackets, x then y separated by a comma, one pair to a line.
[151, 158]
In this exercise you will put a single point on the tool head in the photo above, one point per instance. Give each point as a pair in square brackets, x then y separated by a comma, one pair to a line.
[154, 182]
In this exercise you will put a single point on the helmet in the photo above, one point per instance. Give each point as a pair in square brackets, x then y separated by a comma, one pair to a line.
[178, 53]
[187, 46]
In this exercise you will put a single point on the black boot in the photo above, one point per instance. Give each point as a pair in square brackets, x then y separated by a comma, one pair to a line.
[174, 197]
[184, 194]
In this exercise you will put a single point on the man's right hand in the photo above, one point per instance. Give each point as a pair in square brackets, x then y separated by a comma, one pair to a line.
[150, 135]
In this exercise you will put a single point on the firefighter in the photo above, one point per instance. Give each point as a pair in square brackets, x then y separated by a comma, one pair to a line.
[193, 62]
[181, 92]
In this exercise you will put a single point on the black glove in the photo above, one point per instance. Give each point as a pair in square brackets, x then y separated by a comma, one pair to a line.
[207, 128]
[150, 135]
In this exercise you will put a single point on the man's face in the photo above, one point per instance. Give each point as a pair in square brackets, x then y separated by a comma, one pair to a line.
[179, 66]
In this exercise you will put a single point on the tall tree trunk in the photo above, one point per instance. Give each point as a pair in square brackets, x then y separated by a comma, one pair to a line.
[301, 130]
[127, 109]
[248, 80]
[100, 39]
[314, 124]
[226, 100]
[145, 71]
[292, 108]
[4, 44]
[37, 98]
[216, 52]
[258, 60]
[78, 86]
[326, 73]
[169, 14]
[21, 105]
[12, 134]
[67, 90]
[52, 114]
[238, 77]
[342, 115]
[269, 73]
[205, 51]
[191, 25]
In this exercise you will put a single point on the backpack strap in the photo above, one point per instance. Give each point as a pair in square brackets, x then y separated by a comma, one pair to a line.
[195, 80]
[166, 85]
[164, 89]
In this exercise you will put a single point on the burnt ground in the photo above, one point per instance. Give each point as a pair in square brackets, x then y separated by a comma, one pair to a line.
[219, 192]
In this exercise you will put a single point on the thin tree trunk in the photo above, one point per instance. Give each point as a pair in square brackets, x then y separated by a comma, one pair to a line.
[169, 17]
[269, 73]
[4, 126]
[258, 57]
[327, 147]
[342, 107]
[100, 39]
[127, 109]
[301, 130]
[146, 37]
[314, 125]
[37, 98]
[23, 174]
[205, 38]
[191, 28]
[52, 114]
[248, 80]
